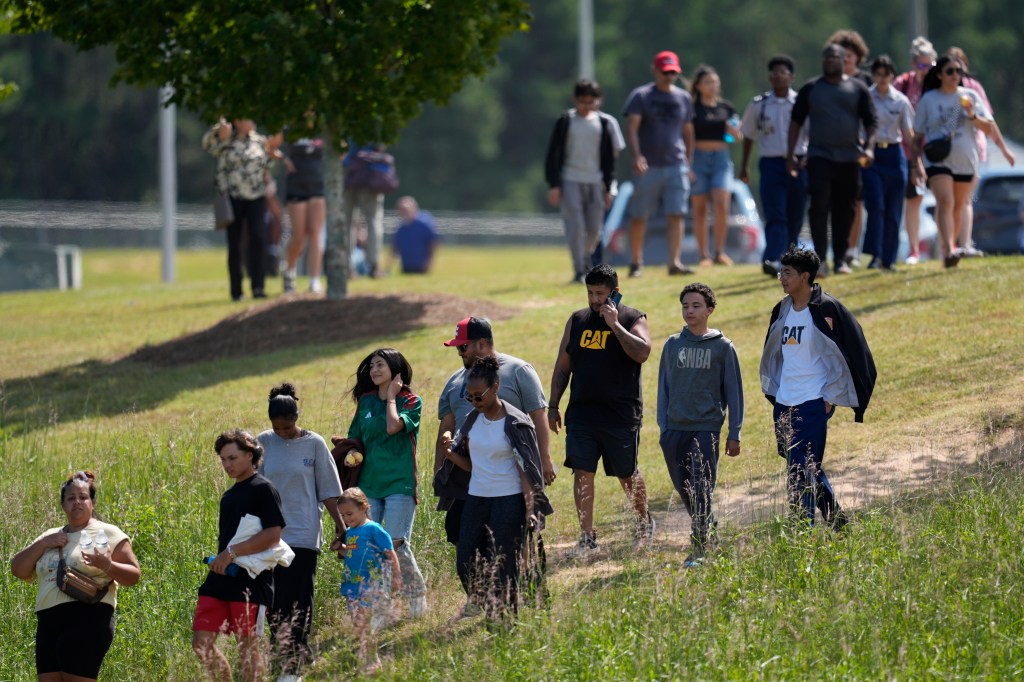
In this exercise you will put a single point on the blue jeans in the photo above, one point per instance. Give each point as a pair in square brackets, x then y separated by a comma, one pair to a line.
[784, 200]
[713, 170]
[800, 433]
[396, 513]
[489, 549]
[884, 184]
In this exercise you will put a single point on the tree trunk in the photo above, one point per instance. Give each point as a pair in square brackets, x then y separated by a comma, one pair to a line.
[336, 257]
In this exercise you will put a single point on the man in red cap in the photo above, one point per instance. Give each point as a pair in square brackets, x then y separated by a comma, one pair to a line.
[659, 133]
[519, 386]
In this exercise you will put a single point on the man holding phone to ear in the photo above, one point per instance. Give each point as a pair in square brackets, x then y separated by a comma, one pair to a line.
[602, 350]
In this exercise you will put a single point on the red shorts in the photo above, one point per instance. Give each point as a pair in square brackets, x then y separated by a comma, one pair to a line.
[228, 617]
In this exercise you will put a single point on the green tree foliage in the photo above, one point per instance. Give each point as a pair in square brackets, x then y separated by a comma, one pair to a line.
[364, 66]
[484, 149]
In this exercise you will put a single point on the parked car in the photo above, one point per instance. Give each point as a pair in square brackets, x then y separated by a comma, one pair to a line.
[744, 241]
[998, 222]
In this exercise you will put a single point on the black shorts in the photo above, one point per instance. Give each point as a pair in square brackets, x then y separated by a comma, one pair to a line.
[299, 198]
[932, 171]
[618, 447]
[73, 638]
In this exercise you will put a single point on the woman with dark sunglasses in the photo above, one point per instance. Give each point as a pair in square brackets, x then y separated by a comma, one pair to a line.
[949, 110]
[506, 493]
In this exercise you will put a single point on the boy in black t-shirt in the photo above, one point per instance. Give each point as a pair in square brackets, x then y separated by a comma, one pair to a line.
[237, 603]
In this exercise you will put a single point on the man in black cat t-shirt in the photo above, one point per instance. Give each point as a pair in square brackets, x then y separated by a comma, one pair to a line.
[602, 350]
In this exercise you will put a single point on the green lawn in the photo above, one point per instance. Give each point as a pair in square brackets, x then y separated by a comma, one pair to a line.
[922, 586]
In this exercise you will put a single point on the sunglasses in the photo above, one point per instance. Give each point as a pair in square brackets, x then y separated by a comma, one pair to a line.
[478, 398]
[463, 347]
[670, 73]
[924, 66]
[952, 70]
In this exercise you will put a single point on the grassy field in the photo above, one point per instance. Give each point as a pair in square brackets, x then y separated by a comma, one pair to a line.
[926, 584]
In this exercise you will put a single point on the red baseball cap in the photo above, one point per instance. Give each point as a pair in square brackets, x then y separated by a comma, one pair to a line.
[470, 329]
[667, 61]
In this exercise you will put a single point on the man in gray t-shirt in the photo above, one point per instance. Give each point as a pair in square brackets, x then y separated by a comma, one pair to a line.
[659, 133]
[519, 386]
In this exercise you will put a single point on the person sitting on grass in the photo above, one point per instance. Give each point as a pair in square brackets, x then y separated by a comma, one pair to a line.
[238, 603]
[698, 379]
[366, 550]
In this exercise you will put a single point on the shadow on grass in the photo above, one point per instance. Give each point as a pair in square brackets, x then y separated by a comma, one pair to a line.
[282, 333]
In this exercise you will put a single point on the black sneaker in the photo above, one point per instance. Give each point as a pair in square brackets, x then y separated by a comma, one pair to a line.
[770, 268]
[838, 521]
[636, 270]
[586, 546]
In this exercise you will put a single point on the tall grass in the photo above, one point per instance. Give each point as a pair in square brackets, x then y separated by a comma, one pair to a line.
[921, 586]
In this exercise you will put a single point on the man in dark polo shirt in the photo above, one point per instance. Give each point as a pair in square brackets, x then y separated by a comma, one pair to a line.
[602, 351]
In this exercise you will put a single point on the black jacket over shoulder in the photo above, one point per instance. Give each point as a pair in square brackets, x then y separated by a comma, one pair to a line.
[451, 482]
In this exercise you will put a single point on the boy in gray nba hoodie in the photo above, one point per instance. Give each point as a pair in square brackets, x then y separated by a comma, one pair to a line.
[698, 380]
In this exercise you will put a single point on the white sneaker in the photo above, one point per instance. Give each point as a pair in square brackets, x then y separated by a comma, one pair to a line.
[288, 277]
[417, 607]
[912, 259]
[385, 617]
[314, 285]
[288, 678]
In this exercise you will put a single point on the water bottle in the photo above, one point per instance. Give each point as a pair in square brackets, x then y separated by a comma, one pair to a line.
[233, 570]
[102, 542]
[734, 121]
[85, 542]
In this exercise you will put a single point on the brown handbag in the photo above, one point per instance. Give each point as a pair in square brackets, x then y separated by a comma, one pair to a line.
[78, 585]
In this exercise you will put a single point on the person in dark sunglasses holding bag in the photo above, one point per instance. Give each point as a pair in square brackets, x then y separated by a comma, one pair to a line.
[73, 635]
[944, 124]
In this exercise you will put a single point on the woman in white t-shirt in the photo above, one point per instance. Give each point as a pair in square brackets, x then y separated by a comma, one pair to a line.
[72, 636]
[501, 495]
[947, 109]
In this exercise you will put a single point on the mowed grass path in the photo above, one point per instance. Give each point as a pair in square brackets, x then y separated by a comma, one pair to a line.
[947, 345]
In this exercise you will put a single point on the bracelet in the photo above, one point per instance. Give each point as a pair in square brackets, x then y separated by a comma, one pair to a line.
[553, 407]
[392, 401]
[231, 551]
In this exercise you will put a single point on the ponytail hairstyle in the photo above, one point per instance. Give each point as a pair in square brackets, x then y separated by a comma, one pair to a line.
[284, 403]
[485, 368]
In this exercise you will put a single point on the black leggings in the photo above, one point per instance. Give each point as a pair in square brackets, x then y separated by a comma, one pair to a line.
[73, 638]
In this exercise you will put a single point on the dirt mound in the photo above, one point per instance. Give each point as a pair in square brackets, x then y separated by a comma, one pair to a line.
[292, 322]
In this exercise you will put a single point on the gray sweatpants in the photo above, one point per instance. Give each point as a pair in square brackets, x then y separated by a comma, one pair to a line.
[583, 213]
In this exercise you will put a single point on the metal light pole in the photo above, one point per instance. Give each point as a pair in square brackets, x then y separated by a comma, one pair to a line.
[168, 186]
[586, 38]
[917, 17]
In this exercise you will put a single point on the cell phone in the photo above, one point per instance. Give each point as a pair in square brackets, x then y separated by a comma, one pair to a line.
[615, 297]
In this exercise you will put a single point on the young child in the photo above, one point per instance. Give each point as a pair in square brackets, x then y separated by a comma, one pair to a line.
[698, 379]
[237, 603]
[366, 548]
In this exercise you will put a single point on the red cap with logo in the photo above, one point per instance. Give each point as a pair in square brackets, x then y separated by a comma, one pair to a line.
[667, 61]
[470, 329]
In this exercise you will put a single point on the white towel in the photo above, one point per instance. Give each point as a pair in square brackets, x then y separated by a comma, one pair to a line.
[280, 554]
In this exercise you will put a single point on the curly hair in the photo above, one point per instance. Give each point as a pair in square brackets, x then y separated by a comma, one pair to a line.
[245, 441]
